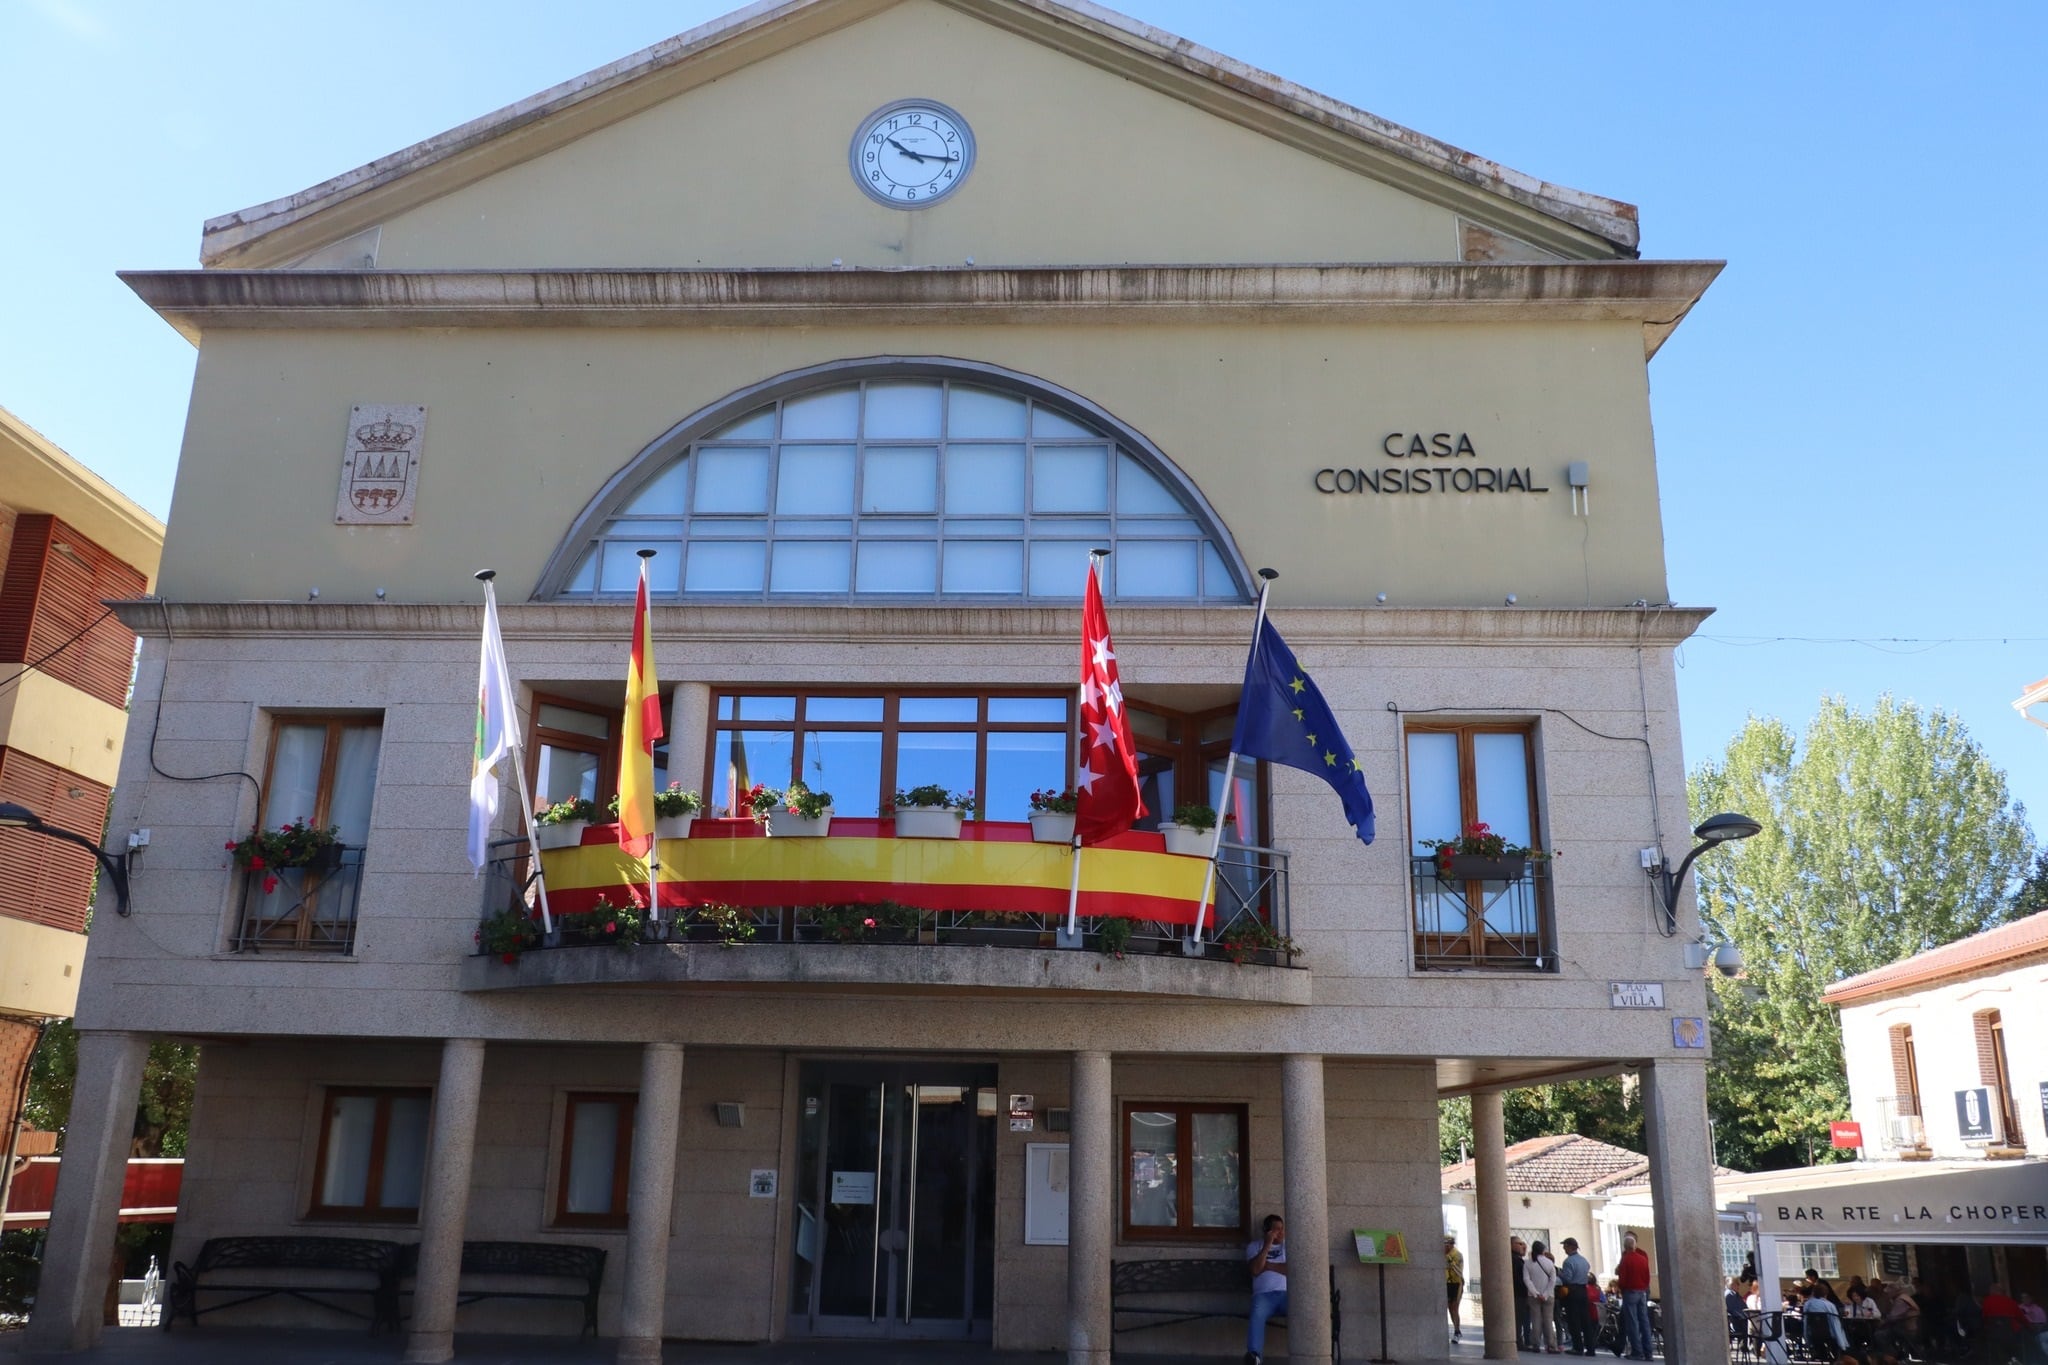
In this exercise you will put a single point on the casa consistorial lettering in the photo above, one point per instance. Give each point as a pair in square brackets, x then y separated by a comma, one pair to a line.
[1420, 470]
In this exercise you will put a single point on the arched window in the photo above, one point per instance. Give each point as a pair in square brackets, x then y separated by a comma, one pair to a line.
[899, 480]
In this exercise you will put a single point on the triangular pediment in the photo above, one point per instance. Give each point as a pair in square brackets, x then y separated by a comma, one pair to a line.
[1099, 140]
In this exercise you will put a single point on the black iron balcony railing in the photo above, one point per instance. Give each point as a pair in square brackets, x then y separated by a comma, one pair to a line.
[1248, 921]
[311, 908]
[1497, 922]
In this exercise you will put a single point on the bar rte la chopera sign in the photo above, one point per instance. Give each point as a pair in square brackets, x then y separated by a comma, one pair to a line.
[2006, 1200]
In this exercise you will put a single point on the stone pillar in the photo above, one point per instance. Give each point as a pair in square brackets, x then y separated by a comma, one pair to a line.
[1682, 1193]
[1091, 1208]
[444, 1202]
[87, 1207]
[1494, 1257]
[1308, 1208]
[689, 728]
[650, 1201]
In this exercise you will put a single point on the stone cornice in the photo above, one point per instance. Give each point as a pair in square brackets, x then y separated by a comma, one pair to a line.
[1655, 293]
[1662, 626]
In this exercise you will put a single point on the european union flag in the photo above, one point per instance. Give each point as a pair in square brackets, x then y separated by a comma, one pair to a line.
[1282, 718]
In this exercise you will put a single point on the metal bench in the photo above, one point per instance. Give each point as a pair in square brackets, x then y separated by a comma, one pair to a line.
[1168, 1292]
[510, 1263]
[294, 1263]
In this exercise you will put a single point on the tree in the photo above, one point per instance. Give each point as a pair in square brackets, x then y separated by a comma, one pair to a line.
[163, 1109]
[1603, 1108]
[1884, 834]
[2032, 897]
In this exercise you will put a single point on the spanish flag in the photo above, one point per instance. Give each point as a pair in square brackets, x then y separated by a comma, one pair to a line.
[642, 727]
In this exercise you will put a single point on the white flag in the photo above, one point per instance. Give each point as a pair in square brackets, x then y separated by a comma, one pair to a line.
[494, 720]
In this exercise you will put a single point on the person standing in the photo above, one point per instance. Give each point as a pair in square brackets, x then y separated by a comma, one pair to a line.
[1633, 1275]
[1539, 1274]
[1518, 1255]
[1454, 1280]
[1268, 1258]
[1573, 1273]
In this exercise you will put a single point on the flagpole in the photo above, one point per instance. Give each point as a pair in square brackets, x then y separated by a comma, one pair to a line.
[547, 921]
[1266, 577]
[1095, 558]
[653, 837]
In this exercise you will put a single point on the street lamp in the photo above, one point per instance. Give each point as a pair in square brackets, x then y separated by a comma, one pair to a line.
[21, 817]
[1715, 829]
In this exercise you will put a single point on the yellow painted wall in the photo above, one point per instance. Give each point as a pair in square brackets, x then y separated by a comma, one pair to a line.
[59, 724]
[39, 968]
[524, 426]
[1077, 165]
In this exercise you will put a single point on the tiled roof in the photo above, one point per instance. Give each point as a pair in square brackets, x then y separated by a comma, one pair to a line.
[2009, 943]
[1563, 1164]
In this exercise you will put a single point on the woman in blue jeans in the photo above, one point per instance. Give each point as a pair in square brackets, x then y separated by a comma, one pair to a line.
[1268, 1258]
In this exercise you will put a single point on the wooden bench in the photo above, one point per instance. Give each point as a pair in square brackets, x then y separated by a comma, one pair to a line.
[356, 1266]
[1168, 1292]
[507, 1267]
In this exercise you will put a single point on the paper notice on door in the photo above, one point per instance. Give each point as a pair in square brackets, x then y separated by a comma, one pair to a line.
[853, 1187]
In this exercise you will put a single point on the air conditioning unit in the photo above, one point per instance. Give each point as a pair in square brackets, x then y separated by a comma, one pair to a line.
[1906, 1131]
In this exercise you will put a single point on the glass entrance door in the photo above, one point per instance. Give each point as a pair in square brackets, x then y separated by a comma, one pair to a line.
[895, 1208]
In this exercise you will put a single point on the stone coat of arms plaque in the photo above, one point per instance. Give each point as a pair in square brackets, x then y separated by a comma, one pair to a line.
[380, 465]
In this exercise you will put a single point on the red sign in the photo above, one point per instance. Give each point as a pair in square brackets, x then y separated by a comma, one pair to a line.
[1845, 1134]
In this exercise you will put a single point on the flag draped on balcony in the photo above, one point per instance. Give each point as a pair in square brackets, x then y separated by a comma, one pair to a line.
[494, 727]
[1107, 782]
[641, 729]
[1282, 718]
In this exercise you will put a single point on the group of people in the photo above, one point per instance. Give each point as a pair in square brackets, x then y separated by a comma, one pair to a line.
[1879, 1322]
[1550, 1293]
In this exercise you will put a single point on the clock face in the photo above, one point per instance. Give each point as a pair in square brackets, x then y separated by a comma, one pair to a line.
[911, 153]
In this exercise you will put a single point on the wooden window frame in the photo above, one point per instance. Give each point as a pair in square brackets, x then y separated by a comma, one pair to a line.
[1997, 1072]
[1906, 1070]
[889, 727]
[1192, 756]
[606, 749]
[1468, 812]
[628, 1102]
[380, 1138]
[1184, 1232]
[330, 753]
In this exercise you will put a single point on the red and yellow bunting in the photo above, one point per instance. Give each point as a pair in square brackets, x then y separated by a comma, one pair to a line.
[993, 867]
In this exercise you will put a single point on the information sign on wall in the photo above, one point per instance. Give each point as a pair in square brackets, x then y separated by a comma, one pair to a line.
[1635, 995]
[1845, 1134]
[1976, 1120]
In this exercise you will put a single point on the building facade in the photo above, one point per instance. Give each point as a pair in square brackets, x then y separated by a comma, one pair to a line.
[870, 320]
[68, 542]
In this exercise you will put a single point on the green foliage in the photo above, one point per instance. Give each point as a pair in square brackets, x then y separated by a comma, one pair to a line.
[294, 845]
[1884, 834]
[2032, 897]
[507, 934]
[1196, 817]
[731, 923]
[1112, 936]
[163, 1110]
[567, 811]
[1249, 937]
[1604, 1108]
[933, 796]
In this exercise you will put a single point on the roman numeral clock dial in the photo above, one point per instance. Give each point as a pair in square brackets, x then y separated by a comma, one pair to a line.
[911, 153]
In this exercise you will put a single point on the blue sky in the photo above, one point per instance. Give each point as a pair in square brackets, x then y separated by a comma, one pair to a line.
[1849, 427]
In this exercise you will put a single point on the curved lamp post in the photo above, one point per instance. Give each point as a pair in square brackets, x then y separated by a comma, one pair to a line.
[1715, 829]
[21, 817]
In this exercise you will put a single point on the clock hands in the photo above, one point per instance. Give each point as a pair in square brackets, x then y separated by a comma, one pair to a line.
[919, 157]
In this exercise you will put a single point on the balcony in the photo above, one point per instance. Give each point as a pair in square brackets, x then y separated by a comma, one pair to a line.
[309, 909]
[1485, 924]
[1900, 1129]
[864, 907]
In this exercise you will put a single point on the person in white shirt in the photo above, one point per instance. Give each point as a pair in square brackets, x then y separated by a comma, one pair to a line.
[1539, 1273]
[1268, 1258]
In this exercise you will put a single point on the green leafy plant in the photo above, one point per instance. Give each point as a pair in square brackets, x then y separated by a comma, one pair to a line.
[507, 934]
[932, 796]
[673, 800]
[797, 799]
[855, 923]
[1479, 841]
[603, 923]
[1056, 802]
[1112, 936]
[568, 810]
[731, 923]
[1249, 937]
[1194, 817]
[294, 845]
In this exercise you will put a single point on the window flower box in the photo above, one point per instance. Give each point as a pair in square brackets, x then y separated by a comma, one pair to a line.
[1186, 840]
[787, 824]
[562, 834]
[928, 822]
[673, 826]
[1477, 867]
[1052, 827]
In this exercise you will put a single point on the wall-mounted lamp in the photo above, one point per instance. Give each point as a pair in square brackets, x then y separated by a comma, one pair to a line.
[21, 817]
[1715, 829]
[731, 1114]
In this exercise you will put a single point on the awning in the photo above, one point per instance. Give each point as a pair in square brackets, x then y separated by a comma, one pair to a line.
[993, 867]
[2004, 1202]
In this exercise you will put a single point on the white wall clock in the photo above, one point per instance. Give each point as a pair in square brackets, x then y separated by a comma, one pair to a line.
[911, 153]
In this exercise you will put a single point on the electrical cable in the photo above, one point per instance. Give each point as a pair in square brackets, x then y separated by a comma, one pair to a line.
[156, 722]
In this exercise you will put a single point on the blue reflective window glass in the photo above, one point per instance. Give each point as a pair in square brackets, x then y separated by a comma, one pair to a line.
[886, 566]
[1070, 479]
[987, 567]
[811, 566]
[824, 415]
[900, 411]
[716, 566]
[732, 479]
[900, 479]
[927, 710]
[1157, 568]
[815, 481]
